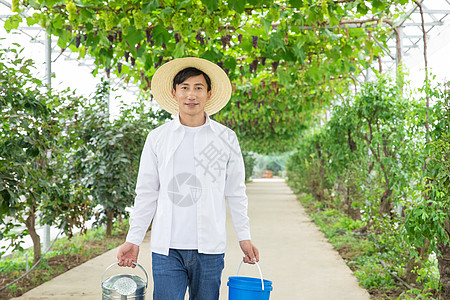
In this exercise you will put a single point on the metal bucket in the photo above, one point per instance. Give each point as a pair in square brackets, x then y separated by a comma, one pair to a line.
[124, 286]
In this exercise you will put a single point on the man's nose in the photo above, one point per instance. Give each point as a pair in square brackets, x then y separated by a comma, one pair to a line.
[191, 94]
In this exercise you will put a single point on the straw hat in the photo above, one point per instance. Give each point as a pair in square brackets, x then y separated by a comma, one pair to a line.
[162, 84]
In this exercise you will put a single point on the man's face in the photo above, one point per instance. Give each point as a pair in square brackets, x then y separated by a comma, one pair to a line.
[192, 95]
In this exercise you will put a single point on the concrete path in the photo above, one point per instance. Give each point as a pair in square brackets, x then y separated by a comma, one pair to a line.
[294, 255]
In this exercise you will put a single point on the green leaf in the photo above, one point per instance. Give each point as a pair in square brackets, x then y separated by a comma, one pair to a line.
[377, 4]
[267, 25]
[12, 22]
[289, 55]
[179, 50]
[347, 50]
[183, 4]
[229, 63]
[362, 8]
[160, 35]
[334, 21]
[237, 5]
[148, 7]
[300, 53]
[283, 77]
[246, 45]
[6, 195]
[167, 11]
[24, 70]
[89, 26]
[134, 36]
[296, 3]
[275, 42]
[211, 5]
[57, 21]
[86, 15]
[33, 20]
[212, 55]
[50, 3]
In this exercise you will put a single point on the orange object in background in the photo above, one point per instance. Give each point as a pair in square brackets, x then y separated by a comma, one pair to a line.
[267, 174]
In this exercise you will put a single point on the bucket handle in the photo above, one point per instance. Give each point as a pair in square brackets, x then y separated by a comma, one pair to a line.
[134, 263]
[260, 273]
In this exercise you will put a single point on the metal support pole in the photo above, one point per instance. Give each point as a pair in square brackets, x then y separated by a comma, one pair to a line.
[46, 237]
[48, 73]
[109, 98]
[399, 56]
[399, 60]
[48, 61]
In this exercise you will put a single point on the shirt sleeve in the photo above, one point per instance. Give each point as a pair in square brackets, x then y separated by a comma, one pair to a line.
[147, 190]
[235, 191]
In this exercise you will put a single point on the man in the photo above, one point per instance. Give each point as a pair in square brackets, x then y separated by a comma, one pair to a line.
[190, 167]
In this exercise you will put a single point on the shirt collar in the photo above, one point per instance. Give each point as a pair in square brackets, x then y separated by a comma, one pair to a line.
[177, 124]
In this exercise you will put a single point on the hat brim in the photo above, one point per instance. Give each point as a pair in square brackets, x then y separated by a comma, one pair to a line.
[162, 84]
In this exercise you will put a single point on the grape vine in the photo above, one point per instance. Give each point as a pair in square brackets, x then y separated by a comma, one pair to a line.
[305, 47]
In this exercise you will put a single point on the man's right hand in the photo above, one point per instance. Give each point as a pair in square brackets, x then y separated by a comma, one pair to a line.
[128, 253]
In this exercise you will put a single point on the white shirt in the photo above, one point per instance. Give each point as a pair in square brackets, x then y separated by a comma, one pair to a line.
[219, 175]
[184, 212]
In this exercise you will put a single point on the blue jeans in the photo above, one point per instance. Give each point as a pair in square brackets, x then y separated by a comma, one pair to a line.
[172, 274]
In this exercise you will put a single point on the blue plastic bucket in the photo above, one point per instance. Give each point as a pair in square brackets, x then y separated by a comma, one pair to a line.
[248, 288]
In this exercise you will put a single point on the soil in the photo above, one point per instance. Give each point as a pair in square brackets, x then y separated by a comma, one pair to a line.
[377, 294]
[348, 255]
[54, 266]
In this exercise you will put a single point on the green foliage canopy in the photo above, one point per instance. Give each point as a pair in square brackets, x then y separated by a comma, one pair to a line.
[286, 59]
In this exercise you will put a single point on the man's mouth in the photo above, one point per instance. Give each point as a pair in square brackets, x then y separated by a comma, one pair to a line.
[191, 104]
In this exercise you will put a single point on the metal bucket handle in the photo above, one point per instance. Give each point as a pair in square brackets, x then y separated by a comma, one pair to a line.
[260, 273]
[136, 264]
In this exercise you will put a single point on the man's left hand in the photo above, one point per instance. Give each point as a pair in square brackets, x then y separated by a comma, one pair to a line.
[250, 251]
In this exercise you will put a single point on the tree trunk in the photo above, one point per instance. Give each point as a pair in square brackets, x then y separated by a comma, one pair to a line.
[109, 221]
[30, 223]
[353, 213]
[413, 265]
[444, 269]
[385, 204]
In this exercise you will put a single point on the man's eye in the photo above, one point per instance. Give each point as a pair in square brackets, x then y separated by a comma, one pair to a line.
[184, 88]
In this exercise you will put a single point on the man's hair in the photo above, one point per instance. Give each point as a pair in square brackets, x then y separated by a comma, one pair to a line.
[188, 73]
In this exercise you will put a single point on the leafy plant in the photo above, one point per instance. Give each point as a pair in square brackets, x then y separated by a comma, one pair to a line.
[31, 147]
[377, 161]
[61, 155]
